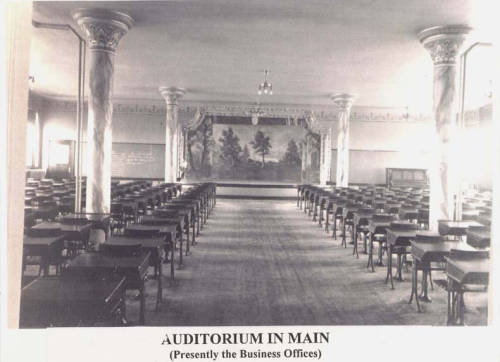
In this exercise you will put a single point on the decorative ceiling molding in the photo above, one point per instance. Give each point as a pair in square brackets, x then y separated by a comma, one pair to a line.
[187, 109]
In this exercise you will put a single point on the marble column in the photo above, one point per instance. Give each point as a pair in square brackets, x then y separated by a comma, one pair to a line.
[303, 160]
[172, 96]
[344, 102]
[326, 156]
[322, 181]
[104, 29]
[443, 44]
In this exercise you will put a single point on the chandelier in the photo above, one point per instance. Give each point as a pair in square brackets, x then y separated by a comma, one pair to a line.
[266, 87]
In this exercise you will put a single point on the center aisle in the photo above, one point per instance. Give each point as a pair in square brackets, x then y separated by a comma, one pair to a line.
[266, 263]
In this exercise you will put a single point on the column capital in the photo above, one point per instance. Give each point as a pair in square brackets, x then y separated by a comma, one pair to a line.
[444, 42]
[343, 100]
[104, 28]
[172, 94]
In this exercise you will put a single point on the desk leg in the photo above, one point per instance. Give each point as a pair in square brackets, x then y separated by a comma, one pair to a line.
[194, 232]
[355, 240]
[380, 261]
[365, 250]
[327, 221]
[370, 254]
[198, 223]
[344, 232]
[180, 252]
[142, 313]
[187, 236]
[399, 267]
[424, 297]
[414, 284]
[159, 295]
[389, 266]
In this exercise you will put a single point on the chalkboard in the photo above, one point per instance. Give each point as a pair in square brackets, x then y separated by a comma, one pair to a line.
[138, 160]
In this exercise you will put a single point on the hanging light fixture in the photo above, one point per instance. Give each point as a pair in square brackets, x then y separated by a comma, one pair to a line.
[266, 87]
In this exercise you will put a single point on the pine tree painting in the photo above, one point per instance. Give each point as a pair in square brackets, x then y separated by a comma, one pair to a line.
[261, 145]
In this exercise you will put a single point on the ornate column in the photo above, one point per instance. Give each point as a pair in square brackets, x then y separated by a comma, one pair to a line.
[443, 44]
[344, 101]
[322, 137]
[104, 29]
[324, 129]
[172, 96]
[303, 158]
[328, 156]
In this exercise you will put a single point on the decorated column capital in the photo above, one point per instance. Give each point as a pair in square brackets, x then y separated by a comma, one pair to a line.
[344, 100]
[444, 42]
[172, 94]
[104, 28]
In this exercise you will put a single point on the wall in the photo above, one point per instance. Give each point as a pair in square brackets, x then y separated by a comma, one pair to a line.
[374, 144]
[377, 145]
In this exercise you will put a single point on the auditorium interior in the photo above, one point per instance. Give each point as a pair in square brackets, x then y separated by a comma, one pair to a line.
[251, 163]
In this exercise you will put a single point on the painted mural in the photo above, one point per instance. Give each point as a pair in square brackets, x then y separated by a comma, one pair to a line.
[244, 152]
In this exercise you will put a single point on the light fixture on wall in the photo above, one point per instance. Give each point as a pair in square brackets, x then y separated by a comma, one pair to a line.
[265, 87]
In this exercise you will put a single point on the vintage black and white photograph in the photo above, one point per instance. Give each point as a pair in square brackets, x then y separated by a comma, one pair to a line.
[250, 163]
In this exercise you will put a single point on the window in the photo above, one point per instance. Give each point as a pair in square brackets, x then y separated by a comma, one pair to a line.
[32, 140]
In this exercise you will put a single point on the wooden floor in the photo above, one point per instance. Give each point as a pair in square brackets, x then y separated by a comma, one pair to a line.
[267, 263]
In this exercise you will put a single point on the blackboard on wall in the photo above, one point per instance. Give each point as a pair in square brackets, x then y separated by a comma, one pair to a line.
[136, 160]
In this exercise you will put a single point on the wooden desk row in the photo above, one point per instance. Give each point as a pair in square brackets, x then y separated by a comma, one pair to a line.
[156, 237]
[360, 211]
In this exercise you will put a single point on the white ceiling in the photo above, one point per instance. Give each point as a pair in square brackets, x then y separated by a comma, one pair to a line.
[219, 49]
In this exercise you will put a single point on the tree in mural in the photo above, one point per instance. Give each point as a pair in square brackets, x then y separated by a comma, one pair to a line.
[261, 144]
[292, 156]
[245, 155]
[201, 141]
[207, 141]
[230, 147]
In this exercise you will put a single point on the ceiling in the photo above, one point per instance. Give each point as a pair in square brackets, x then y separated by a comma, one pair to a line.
[218, 49]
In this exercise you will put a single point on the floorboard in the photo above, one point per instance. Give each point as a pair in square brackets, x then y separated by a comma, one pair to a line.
[266, 263]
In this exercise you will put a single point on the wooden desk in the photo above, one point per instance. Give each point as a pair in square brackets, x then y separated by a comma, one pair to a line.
[168, 230]
[461, 275]
[376, 227]
[68, 302]
[361, 219]
[134, 268]
[71, 231]
[182, 207]
[398, 239]
[484, 219]
[44, 212]
[408, 213]
[455, 228]
[348, 217]
[155, 246]
[479, 238]
[171, 211]
[474, 271]
[48, 248]
[425, 253]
